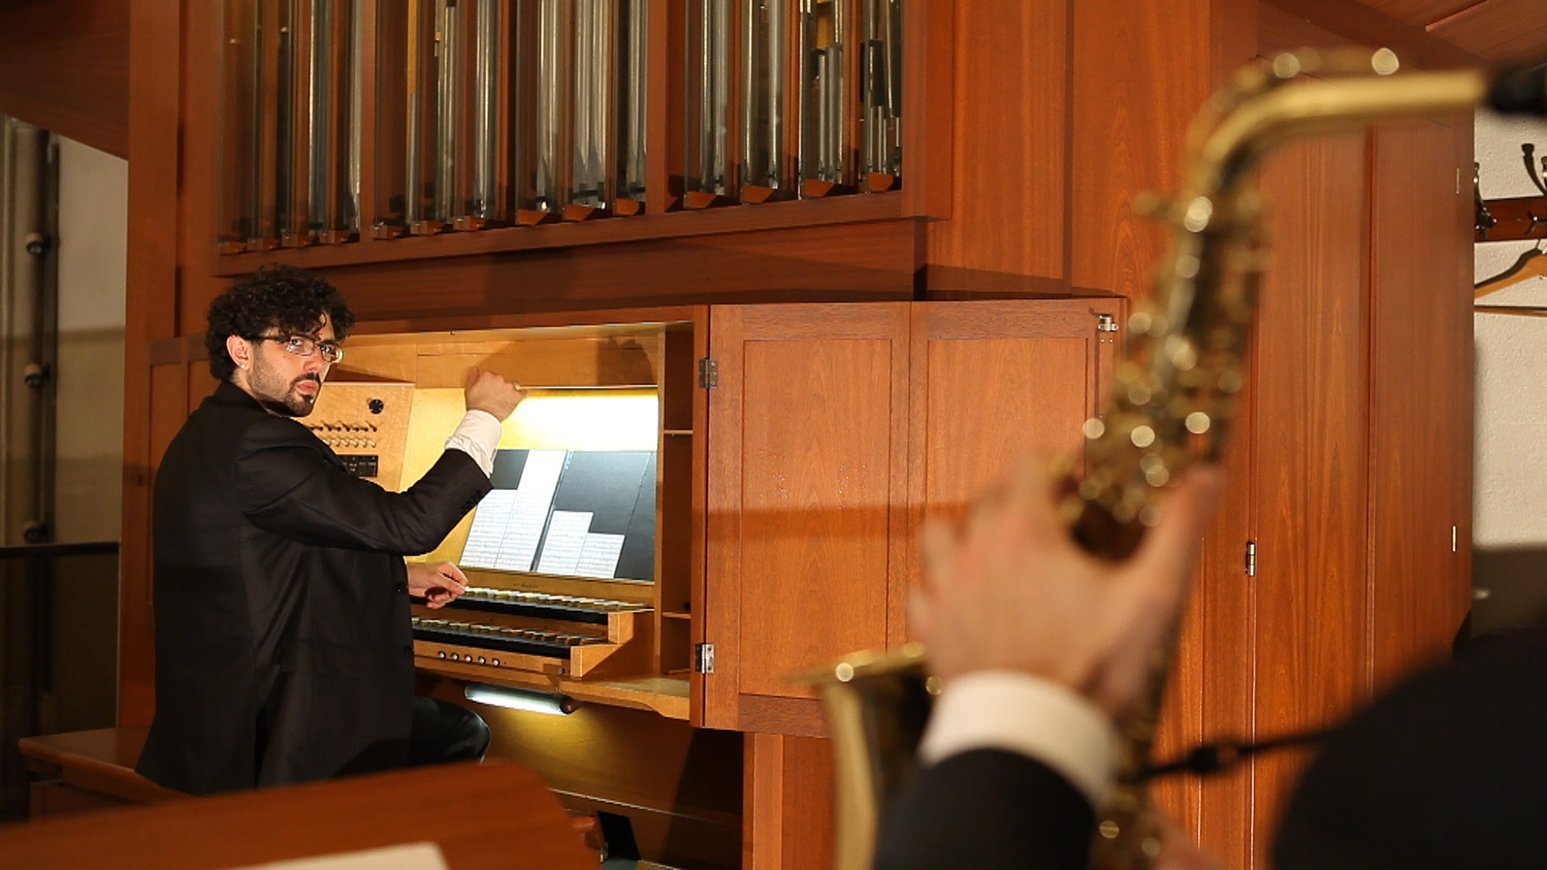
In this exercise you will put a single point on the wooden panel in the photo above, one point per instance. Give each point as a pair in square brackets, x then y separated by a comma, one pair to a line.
[1312, 469]
[68, 70]
[1129, 119]
[1334, 22]
[200, 189]
[348, 403]
[538, 363]
[699, 550]
[1419, 12]
[279, 824]
[807, 459]
[150, 313]
[789, 803]
[51, 800]
[1007, 203]
[1501, 31]
[664, 96]
[680, 476]
[789, 214]
[1213, 671]
[1420, 409]
[928, 92]
[98, 762]
[633, 763]
[994, 382]
[814, 502]
[852, 262]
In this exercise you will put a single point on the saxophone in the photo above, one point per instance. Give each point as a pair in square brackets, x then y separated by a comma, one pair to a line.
[1174, 396]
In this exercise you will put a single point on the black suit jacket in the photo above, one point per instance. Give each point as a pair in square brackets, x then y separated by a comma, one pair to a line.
[1449, 769]
[986, 808]
[283, 646]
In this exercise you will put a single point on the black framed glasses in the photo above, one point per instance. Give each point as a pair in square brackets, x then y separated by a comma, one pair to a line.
[306, 345]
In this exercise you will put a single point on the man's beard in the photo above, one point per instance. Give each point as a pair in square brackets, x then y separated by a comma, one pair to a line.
[291, 402]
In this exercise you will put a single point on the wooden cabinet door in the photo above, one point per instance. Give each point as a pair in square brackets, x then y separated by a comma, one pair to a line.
[1305, 662]
[1421, 395]
[994, 383]
[808, 428]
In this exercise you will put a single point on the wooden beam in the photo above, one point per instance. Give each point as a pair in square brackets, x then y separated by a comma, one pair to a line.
[1319, 22]
[1515, 218]
[65, 68]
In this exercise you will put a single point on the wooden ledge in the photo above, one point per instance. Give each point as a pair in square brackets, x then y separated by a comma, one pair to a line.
[100, 761]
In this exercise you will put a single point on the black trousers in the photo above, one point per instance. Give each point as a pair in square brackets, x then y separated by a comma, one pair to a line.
[444, 733]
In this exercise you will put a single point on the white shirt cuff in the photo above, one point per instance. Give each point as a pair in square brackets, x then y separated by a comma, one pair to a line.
[1030, 716]
[478, 435]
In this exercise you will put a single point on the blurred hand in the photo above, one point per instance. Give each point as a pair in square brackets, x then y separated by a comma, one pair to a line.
[487, 391]
[1012, 591]
[438, 583]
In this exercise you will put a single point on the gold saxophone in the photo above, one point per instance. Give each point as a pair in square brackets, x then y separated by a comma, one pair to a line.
[1174, 395]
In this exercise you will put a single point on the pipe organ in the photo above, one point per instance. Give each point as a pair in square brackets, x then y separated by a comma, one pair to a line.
[821, 241]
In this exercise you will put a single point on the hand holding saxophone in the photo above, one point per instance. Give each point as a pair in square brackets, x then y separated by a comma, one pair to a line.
[1011, 591]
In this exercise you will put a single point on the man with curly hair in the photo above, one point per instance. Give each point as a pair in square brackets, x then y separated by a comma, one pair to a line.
[283, 646]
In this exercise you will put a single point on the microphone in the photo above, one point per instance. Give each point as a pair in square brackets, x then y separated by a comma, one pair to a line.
[1520, 91]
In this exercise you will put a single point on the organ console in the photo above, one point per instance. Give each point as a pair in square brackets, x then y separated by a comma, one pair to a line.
[577, 582]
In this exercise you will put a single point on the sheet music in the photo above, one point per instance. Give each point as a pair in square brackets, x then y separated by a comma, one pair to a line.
[599, 555]
[509, 522]
[524, 530]
[487, 534]
[567, 532]
[540, 476]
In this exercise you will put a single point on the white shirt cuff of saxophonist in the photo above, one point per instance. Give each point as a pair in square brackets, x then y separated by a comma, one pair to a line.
[478, 435]
[1025, 714]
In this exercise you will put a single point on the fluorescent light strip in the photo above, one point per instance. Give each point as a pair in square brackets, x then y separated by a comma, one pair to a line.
[521, 699]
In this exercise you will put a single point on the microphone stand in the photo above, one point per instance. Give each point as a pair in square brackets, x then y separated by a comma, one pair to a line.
[1221, 755]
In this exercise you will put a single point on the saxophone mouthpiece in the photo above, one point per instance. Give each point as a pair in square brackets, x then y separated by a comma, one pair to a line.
[1520, 91]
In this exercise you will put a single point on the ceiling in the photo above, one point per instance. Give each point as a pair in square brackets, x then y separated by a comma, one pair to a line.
[1500, 31]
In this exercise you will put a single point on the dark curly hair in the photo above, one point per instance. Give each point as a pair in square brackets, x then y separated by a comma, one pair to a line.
[281, 298]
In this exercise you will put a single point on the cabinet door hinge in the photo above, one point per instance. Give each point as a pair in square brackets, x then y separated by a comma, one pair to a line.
[1251, 558]
[703, 658]
[1105, 323]
[708, 373]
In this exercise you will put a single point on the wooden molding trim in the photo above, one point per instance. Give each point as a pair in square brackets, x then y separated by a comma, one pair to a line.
[1289, 24]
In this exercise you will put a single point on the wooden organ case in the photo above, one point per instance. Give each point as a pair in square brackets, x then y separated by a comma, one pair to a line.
[836, 349]
[594, 621]
[599, 439]
[753, 549]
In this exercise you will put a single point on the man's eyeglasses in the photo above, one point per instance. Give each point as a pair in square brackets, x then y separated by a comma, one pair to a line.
[306, 345]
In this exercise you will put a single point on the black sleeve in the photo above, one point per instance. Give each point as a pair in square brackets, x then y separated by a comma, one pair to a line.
[287, 485]
[986, 808]
[1447, 769]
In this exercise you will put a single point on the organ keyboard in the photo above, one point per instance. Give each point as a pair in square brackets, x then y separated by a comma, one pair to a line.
[555, 635]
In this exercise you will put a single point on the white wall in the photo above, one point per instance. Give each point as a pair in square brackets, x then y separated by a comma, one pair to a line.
[1510, 489]
[93, 228]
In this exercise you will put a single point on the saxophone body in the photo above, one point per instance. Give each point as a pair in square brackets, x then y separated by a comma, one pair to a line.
[1174, 395]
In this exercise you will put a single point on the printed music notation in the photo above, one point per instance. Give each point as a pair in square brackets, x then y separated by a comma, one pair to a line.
[508, 524]
[571, 513]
